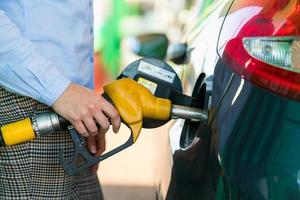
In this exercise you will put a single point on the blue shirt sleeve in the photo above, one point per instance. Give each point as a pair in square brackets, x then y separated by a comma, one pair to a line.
[23, 70]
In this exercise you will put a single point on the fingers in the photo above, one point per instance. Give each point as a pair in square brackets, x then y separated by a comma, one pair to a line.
[112, 114]
[102, 120]
[102, 114]
[90, 125]
[94, 168]
[96, 145]
[79, 126]
[92, 145]
[101, 144]
[92, 120]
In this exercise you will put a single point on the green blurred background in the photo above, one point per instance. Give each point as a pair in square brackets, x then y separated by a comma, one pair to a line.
[118, 20]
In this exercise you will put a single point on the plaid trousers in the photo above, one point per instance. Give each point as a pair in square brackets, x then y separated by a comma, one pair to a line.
[32, 170]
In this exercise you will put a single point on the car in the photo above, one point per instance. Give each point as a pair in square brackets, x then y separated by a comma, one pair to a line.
[245, 68]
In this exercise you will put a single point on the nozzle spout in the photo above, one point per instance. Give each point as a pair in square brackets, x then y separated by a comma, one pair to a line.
[186, 112]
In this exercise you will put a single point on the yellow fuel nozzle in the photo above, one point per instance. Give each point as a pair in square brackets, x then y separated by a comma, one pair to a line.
[134, 102]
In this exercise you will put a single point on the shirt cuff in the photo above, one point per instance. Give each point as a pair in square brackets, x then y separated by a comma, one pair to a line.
[53, 93]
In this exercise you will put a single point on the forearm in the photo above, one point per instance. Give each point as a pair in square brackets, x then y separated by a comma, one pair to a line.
[24, 70]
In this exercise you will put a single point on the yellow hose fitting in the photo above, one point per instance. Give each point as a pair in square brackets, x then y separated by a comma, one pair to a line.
[17, 132]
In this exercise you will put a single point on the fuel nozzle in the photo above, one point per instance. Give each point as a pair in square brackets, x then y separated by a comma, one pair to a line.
[135, 103]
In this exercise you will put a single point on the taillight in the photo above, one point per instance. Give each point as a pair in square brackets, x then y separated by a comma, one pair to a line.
[265, 49]
[280, 52]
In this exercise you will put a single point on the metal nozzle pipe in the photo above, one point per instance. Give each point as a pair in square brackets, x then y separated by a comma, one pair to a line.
[185, 112]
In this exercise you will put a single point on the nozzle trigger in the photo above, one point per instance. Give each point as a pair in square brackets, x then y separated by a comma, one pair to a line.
[82, 158]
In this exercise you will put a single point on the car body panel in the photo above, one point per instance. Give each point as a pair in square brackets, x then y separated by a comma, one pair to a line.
[196, 39]
[190, 178]
[260, 141]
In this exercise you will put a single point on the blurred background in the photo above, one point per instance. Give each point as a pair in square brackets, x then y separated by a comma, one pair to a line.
[143, 170]
[116, 21]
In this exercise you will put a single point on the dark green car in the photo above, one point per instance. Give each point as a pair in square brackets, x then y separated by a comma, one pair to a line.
[243, 62]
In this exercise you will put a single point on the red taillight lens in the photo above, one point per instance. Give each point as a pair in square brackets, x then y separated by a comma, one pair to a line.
[264, 47]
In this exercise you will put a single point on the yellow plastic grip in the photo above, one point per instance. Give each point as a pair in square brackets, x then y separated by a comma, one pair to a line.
[17, 132]
[134, 102]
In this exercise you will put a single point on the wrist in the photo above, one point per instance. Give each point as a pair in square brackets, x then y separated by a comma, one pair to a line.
[55, 91]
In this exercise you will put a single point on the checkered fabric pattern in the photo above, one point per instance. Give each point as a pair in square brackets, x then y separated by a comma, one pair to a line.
[32, 170]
